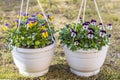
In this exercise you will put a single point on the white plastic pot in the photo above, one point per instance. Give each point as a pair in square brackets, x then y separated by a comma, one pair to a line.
[85, 63]
[33, 62]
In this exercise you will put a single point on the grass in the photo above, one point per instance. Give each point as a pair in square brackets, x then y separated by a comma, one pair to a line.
[64, 11]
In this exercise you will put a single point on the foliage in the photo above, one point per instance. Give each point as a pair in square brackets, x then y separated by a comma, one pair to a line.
[87, 35]
[32, 32]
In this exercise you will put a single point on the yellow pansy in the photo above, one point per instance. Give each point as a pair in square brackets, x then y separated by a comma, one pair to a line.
[40, 15]
[44, 33]
[5, 27]
[16, 22]
[24, 17]
[43, 28]
[32, 23]
[18, 16]
[50, 17]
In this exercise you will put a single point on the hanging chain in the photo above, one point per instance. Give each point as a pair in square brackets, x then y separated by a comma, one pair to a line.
[84, 10]
[27, 7]
[20, 15]
[99, 13]
[80, 10]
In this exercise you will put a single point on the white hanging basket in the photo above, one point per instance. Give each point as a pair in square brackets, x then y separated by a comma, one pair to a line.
[85, 63]
[33, 62]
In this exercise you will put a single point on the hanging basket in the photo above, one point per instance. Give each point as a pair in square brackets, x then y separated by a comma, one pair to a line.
[86, 44]
[85, 63]
[33, 62]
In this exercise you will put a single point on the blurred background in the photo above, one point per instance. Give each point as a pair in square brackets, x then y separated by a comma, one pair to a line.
[63, 11]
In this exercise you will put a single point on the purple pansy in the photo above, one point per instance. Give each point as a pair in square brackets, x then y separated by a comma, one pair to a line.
[37, 12]
[91, 30]
[24, 14]
[86, 25]
[33, 21]
[102, 33]
[93, 22]
[33, 15]
[43, 31]
[43, 24]
[16, 21]
[100, 26]
[73, 33]
[90, 35]
[48, 16]
[7, 25]
[109, 26]
[27, 22]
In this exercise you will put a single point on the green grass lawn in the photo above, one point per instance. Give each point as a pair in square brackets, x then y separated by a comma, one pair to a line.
[63, 11]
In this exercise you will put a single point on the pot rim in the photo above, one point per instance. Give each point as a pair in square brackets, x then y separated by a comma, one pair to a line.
[27, 50]
[84, 51]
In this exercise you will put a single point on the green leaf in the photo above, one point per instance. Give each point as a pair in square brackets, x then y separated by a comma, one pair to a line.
[37, 43]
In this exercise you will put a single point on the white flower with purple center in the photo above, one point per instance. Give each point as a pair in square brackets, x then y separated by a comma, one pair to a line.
[99, 42]
[76, 42]
[93, 22]
[91, 30]
[100, 26]
[90, 35]
[73, 33]
[102, 33]
[86, 25]
[109, 26]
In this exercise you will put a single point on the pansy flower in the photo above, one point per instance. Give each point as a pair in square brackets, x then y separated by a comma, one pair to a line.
[39, 15]
[76, 42]
[50, 17]
[73, 33]
[85, 25]
[90, 35]
[16, 22]
[93, 22]
[31, 23]
[99, 41]
[44, 33]
[109, 26]
[43, 27]
[102, 33]
[100, 26]
[25, 16]
[91, 30]
[33, 15]
[5, 27]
